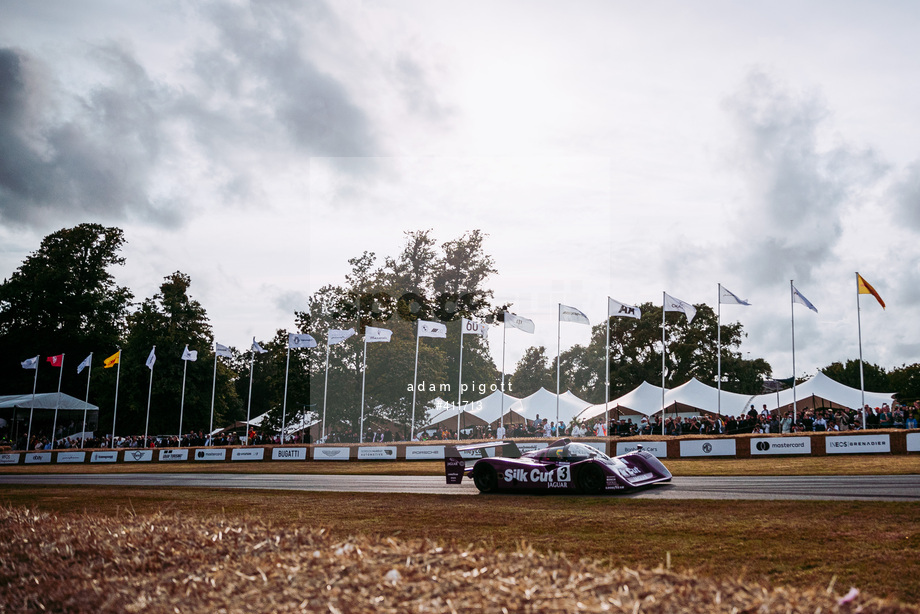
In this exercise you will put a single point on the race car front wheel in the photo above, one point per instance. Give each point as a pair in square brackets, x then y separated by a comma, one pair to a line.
[590, 480]
[485, 478]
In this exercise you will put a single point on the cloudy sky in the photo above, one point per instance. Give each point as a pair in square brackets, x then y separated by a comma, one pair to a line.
[606, 148]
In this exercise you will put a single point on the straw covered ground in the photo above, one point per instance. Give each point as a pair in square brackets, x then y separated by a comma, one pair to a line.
[170, 562]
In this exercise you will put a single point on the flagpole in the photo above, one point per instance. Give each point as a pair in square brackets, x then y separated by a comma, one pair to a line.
[115, 409]
[149, 394]
[182, 402]
[663, 352]
[607, 369]
[414, 380]
[252, 363]
[57, 405]
[862, 386]
[325, 388]
[719, 349]
[287, 367]
[460, 381]
[32, 407]
[363, 378]
[504, 334]
[89, 374]
[792, 309]
[213, 394]
[558, 355]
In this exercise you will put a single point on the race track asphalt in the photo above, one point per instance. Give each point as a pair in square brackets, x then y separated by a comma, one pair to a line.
[866, 488]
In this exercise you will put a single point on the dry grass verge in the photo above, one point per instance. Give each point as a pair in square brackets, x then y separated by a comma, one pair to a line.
[174, 563]
[802, 544]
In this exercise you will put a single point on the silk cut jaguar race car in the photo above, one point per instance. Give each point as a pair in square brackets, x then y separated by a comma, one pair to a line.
[563, 466]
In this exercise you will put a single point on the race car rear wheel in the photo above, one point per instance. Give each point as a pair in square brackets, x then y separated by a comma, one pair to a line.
[590, 480]
[485, 477]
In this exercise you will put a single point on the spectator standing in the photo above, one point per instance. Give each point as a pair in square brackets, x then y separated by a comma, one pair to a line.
[786, 424]
[897, 417]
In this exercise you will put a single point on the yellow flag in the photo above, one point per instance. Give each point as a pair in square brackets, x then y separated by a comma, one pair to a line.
[112, 360]
[866, 288]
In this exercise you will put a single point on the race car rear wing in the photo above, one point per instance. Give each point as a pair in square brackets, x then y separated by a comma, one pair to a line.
[455, 457]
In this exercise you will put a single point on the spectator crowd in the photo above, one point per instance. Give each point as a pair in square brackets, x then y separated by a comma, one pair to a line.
[765, 421]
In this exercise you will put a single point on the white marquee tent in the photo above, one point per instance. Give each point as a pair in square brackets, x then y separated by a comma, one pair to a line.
[695, 397]
[444, 415]
[45, 400]
[542, 403]
[820, 388]
[643, 400]
[489, 409]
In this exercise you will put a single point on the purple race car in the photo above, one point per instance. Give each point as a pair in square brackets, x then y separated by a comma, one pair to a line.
[564, 466]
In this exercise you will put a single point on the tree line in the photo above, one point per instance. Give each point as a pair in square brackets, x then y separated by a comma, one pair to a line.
[64, 299]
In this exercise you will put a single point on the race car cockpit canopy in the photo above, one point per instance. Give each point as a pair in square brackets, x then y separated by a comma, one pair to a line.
[567, 452]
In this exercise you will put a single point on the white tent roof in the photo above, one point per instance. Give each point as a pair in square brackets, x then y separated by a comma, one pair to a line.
[543, 403]
[644, 399]
[489, 409]
[439, 409]
[46, 400]
[695, 395]
[444, 414]
[822, 387]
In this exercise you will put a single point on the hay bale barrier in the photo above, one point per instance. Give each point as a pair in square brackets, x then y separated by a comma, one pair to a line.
[163, 562]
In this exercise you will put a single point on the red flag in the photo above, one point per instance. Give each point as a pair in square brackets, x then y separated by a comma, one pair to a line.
[863, 287]
[56, 361]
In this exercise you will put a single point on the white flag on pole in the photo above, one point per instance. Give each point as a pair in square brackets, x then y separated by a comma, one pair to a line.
[152, 358]
[801, 300]
[188, 354]
[570, 314]
[86, 362]
[377, 335]
[338, 336]
[675, 304]
[258, 348]
[222, 350]
[301, 340]
[516, 321]
[30, 363]
[432, 329]
[730, 298]
[616, 308]
[471, 327]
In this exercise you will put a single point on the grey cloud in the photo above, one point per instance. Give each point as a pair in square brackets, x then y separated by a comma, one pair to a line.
[96, 162]
[291, 301]
[905, 194]
[797, 192]
[260, 62]
[415, 87]
[272, 83]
